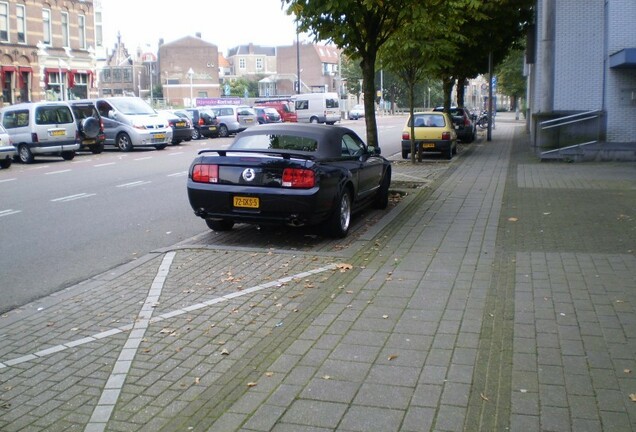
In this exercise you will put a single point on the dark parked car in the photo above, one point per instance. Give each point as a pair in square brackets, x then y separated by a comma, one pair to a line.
[181, 127]
[89, 125]
[289, 173]
[462, 117]
[204, 122]
[267, 115]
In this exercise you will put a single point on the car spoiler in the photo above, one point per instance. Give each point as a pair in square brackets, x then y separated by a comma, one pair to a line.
[282, 153]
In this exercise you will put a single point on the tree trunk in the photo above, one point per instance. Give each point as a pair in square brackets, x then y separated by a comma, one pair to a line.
[448, 89]
[368, 75]
[461, 92]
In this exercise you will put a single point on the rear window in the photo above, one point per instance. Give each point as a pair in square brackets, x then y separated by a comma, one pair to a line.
[332, 103]
[275, 142]
[50, 115]
[428, 120]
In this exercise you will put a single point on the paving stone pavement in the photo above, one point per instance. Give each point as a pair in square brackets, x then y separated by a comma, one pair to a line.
[498, 294]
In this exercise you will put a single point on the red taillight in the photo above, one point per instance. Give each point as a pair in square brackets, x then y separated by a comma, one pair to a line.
[406, 136]
[466, 121]
[201, 122]
[446, 136]
[298, 178]
[205, 173]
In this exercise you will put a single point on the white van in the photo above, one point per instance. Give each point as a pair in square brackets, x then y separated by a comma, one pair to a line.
[317, 108]
[41, 128]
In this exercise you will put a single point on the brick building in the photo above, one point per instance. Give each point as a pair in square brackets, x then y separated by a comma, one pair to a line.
[47, 50]
[188, 68]
[582, 69]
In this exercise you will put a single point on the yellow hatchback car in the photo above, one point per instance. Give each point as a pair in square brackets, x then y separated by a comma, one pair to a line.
[433, 132]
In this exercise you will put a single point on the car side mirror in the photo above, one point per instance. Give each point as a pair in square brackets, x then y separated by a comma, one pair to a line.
[375, 150]
[111, 114]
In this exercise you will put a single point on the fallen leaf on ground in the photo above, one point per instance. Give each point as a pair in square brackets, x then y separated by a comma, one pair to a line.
[392, 357]
[513, 219]
[483, 396]
[251, 384]
[632, 397]
[343, 267]
[224, 351]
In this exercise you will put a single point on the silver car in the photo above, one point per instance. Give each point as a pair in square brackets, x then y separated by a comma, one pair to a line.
[7, 150]
[130, 122]
[234, 118]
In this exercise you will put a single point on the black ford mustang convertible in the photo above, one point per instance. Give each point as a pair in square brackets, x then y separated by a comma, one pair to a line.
[294, 174]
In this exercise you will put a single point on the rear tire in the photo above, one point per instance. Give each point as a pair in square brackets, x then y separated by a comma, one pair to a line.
[339, 222]
[97, 149]
[196, 134]
[313, 120]
[25, 155]
[220, 225]
[405, 154]
[449, 152]
[5, 163]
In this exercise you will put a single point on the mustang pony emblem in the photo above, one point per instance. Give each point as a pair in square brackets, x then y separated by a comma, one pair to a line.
[249, 174]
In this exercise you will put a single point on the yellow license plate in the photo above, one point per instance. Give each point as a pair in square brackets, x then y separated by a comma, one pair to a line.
[90, 141]
[246, 202]
[428, 145]
[181, 124]
[159, 136]
[58, 132]
[248, 120]
[212, 128]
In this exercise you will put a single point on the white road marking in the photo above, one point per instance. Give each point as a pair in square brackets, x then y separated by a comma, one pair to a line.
[9, 212]
[7, 180]
[72, 197]
[175, 153]
[179, 174]
[106, 404]
[133, 184]
[143, 158]
[162, 274]
[57, 172]
[104, 164]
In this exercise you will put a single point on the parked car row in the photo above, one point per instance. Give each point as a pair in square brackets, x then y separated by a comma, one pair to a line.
[438, 131]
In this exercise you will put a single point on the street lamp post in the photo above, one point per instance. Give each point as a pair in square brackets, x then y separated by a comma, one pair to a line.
[191, 74]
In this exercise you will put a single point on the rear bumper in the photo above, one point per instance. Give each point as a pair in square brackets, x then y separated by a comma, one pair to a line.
[276, 206]
[438, 146]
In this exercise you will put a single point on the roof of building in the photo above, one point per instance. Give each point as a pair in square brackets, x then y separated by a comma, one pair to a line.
[251, 49]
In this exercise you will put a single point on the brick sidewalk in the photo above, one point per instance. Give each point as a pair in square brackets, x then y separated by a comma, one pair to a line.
[498, 296]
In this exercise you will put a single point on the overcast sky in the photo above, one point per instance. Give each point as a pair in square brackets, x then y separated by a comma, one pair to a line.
[225, 23]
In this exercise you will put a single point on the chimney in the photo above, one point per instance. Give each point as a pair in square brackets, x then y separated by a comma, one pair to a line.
[198, 34]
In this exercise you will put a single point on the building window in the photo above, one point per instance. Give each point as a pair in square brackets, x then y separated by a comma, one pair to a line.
[21, 20]
[106, 75]
[66, 42]
[80, 86]
[81, 21]
[128, 76]
[241, 63]
[46, 26]
[99, 38]
[4, 22]
[259, 64]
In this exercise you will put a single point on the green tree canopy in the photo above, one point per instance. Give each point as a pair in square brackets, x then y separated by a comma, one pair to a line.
[359, 28]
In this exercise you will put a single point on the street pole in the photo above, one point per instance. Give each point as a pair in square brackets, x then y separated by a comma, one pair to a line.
[191, 73]
[297, 60]
[489, 134]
